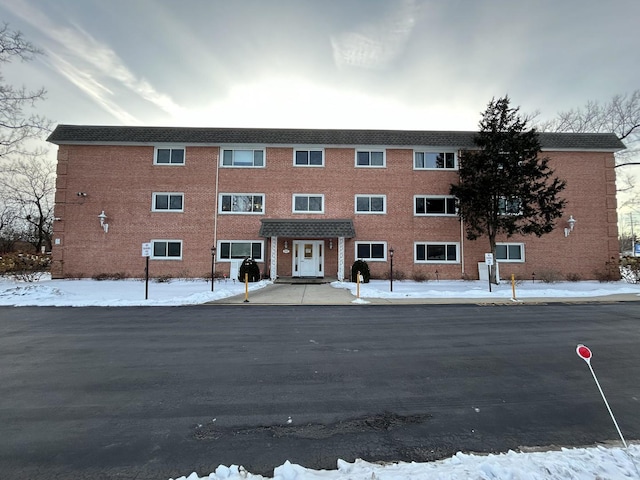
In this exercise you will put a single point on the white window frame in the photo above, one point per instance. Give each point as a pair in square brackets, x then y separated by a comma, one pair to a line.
[370, 259]
[167, 241]
[369, 212]
[170, 148]
[504, 202]
[308, 150]
[511, 244]
[427, 244]
[219, 258]
[426, 151]
[370, 151]
[168, 209]
[296, 195]
[436, 197]
[247, 149]
[232, 212]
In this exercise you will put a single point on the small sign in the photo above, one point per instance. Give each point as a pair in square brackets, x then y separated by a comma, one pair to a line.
[146, 249]
[584, 353]
[488, 259]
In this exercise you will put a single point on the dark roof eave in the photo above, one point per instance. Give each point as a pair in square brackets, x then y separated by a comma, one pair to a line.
[119, 135]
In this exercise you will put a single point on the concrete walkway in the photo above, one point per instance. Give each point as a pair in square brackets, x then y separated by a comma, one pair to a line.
[325, 294]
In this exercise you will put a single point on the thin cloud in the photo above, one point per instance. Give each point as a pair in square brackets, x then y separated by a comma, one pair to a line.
[375, 45]
[91, 66]
[94, 89]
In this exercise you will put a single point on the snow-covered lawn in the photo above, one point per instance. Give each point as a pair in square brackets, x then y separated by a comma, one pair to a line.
[477, 289]
[584, 463]
[83, 293]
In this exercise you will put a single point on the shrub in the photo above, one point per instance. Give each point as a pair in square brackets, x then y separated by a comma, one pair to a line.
[249, 267]
[573, 277]
[630, 269]
[163, 279]
[109, 276]
[421, 277]
[26, 267]
[610, 273]
[549, 276]
[362, 267]
[397, 275]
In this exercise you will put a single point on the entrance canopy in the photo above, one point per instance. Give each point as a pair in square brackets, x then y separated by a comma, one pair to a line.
[306, 228]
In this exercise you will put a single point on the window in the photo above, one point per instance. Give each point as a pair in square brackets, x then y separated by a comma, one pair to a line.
[434, 160]
[168, 202]
[308, 203]
[308, 158]
[169, 156]
[371, 251]
[365, 158]
[510, 252]
[241, 203]
[509, 206]
[167, 249]
[371, 204]
[240, 249]
[436, 252]
[243, 158]
[435, 205]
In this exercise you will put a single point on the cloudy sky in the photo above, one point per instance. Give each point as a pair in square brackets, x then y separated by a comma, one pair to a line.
[397, 64]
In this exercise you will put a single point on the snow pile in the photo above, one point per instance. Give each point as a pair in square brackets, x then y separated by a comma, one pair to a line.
[580, 463]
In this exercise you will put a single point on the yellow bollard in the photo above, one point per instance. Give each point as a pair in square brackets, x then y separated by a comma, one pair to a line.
[358, 285]
[513, 286]
[246, 288]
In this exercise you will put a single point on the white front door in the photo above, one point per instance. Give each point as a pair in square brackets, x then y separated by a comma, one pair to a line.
[308, 258]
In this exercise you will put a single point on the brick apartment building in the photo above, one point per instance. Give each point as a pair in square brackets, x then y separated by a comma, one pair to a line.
[306, 203]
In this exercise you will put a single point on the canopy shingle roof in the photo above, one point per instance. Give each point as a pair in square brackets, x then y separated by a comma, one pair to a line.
[307, 228]
[95, 134]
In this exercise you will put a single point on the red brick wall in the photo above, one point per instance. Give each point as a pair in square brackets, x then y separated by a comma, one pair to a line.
[121, 179]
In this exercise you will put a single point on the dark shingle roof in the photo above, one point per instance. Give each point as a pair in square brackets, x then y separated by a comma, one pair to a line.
[94, 134]
[302, 228]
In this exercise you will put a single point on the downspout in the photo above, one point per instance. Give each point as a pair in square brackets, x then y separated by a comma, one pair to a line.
[215, 213]
[462, 246]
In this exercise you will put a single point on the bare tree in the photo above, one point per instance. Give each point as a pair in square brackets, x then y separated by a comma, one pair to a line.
[18, 123]
[29, 186]
[620, 115]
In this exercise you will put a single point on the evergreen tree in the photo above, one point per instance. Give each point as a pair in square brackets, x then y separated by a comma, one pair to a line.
[505, 188]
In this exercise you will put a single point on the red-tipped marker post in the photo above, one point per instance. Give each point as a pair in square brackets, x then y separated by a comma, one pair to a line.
[585, 353]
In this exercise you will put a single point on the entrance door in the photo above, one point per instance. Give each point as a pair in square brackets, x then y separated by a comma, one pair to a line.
[308, 258]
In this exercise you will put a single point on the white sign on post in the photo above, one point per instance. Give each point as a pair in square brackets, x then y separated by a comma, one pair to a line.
[488, 259]
[146, 249]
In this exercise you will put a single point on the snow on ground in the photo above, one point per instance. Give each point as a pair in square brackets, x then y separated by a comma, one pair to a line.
[596, 463]
[118, 293]
[480, 289]
[584, 463]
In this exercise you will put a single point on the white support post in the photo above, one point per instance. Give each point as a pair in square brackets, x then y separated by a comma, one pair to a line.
[341, 259]
[274, 259]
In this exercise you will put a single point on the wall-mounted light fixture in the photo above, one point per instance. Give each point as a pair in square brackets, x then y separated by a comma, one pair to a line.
[331, 244]
[103, 223]
[569, 229]
[82, 194]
